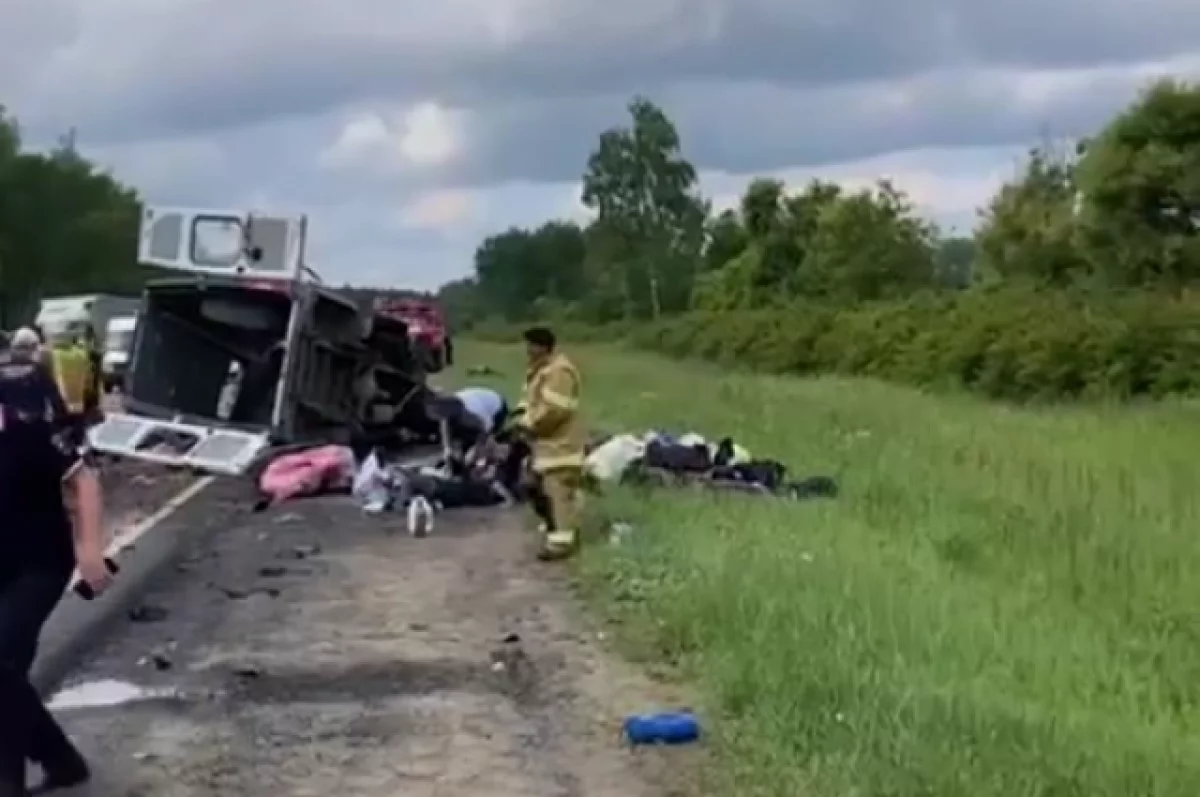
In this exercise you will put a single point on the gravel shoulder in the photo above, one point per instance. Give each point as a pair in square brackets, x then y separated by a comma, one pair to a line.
[312, 648]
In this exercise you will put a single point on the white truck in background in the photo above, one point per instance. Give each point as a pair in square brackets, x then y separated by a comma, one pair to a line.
[67, 315]
[117, 348]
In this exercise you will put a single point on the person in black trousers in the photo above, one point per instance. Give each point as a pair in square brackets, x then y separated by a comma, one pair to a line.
[39, 549]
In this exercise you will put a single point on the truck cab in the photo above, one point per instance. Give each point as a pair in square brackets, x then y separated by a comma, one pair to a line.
[64, 316]
[426, 329]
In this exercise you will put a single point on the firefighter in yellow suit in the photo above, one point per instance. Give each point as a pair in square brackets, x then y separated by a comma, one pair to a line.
[551, 421]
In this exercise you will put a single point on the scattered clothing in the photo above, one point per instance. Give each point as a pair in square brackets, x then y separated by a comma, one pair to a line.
[679, 458]
[611, 459]
[765, 472]
[316, 471]
[373, 485]
[727, 453]
[660, 459]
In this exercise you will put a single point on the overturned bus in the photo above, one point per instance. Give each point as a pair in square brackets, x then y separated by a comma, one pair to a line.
[246, 350]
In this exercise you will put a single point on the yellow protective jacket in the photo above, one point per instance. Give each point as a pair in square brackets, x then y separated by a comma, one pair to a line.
[551, 401]
[72, 368]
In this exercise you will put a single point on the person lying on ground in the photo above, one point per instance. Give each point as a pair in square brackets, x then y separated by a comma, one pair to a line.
[450, 487]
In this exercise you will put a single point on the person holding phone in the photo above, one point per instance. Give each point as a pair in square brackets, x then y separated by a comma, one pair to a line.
[41, 544]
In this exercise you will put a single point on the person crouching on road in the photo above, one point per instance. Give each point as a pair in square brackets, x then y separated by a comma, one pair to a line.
[468, 420]
[489, 410]
[551, 421]
[41, 547]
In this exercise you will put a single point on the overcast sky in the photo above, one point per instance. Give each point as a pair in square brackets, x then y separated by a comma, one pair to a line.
[409, 130]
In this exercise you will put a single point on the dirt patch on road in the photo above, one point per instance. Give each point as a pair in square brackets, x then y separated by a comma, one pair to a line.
[316, 651]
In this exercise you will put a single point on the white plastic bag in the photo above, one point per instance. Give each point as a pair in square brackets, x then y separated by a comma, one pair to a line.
[372, 485]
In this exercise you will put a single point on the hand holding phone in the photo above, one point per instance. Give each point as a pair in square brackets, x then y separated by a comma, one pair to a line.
[83, 587]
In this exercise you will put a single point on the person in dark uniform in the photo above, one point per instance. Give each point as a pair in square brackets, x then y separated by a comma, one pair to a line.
[41, 548]
[27, 383]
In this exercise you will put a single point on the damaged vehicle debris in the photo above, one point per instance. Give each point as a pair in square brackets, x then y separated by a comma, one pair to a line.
[246, 350]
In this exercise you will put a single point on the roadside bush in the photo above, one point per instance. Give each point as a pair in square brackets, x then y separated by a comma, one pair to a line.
[1011, 343]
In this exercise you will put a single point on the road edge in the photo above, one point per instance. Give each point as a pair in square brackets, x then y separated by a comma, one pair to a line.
[143, 553]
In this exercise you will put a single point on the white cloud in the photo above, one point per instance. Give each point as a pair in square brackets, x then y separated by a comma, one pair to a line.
[946, 187]
[441, 210]
[432, 135]
[424, 136]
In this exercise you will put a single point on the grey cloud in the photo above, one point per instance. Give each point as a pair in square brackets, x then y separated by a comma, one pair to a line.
[178, 71]
[732, 127]
[229, 166]
[739, 127]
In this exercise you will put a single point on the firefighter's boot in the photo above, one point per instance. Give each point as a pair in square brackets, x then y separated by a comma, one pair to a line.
[558, 545]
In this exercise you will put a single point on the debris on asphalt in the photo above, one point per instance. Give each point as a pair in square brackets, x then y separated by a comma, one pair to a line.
[303, 551]
[236, 594]
[147, 614]
[672, 727]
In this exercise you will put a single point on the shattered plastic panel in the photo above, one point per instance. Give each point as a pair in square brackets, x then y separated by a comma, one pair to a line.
[228, 452]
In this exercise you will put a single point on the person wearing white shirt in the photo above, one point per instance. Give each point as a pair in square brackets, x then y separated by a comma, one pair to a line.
[486, 405]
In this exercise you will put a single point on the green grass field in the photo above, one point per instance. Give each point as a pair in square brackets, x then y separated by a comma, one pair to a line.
[1002, 603]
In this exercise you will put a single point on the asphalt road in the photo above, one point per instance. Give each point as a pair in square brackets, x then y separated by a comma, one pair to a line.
[312, 650]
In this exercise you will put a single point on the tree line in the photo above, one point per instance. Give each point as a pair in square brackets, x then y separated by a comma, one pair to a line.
[66, 226]
[1076, 282]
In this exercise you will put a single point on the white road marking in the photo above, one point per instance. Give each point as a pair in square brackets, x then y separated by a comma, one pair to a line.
[98, 694]
[127, 537]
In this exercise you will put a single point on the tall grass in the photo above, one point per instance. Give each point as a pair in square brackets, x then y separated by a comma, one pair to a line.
[1002, 603]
